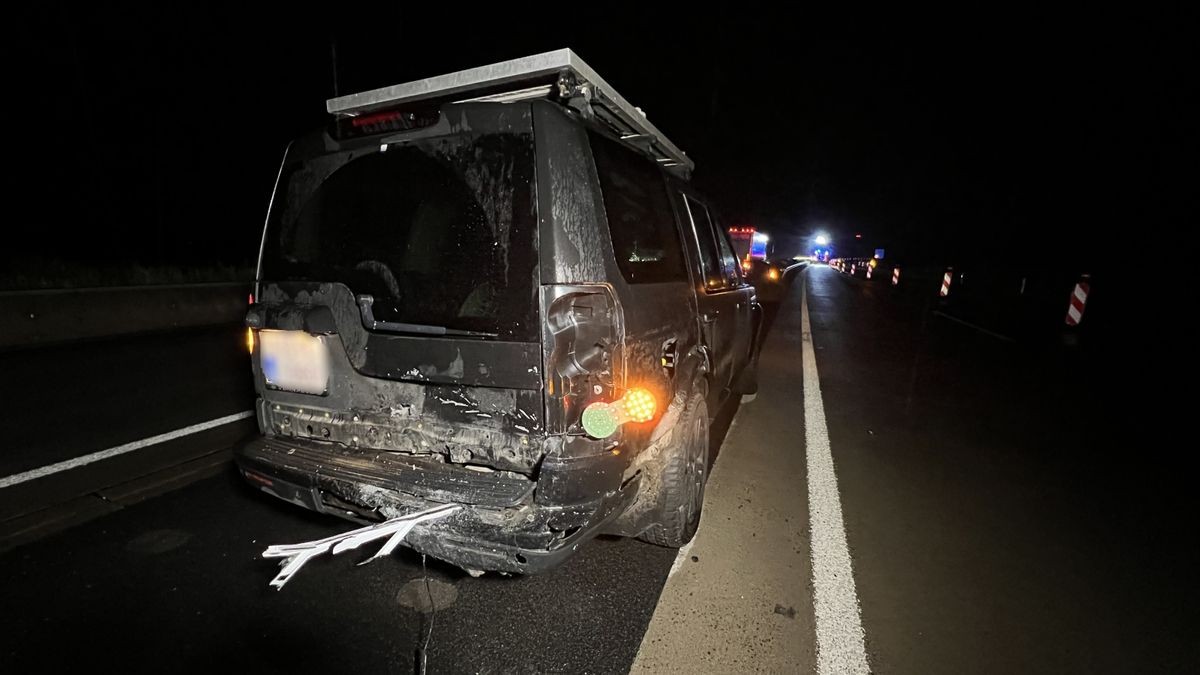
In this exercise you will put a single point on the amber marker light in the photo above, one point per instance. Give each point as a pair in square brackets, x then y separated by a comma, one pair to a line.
[601, 419]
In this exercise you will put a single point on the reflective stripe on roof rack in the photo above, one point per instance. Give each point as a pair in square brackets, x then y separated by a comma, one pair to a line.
[530, 77]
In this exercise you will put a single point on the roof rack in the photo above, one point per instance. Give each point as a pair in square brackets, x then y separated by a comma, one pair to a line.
[560, 75]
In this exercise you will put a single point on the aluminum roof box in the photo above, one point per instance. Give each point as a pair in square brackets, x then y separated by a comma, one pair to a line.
[558, 75]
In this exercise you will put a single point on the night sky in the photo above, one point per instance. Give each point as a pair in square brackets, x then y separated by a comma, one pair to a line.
[153, 137]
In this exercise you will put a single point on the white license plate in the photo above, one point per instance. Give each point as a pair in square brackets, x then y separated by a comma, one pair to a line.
[294, 360]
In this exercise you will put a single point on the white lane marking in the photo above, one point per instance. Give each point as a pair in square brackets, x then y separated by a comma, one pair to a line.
[841, 644]
[968, 324]
[32, 474]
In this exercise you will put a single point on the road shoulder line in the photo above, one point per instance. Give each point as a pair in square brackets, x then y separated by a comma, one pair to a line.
[84, 460]
[841, 644]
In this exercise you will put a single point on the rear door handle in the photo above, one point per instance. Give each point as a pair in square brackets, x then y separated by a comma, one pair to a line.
[709, 317]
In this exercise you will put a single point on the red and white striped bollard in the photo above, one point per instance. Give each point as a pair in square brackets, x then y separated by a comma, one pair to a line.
[946, 279]
[895, 276]
[1079, 298]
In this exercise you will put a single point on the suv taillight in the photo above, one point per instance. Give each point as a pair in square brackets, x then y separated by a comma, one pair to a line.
[584, 363]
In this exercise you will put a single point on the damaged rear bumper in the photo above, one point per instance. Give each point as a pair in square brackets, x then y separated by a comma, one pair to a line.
[501, 525]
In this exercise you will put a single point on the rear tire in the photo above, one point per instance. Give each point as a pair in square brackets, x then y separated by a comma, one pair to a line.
[684, 473]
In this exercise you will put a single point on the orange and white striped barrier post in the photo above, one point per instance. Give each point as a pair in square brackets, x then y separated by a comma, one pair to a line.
[853, 269]
[895, 276]
[869, 268]
[1079, 298]
[946, 279]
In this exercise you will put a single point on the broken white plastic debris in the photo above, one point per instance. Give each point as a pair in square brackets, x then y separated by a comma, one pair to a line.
[296, 555]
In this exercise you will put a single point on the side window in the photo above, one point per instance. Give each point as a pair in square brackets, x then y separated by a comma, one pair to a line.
[729, 263]
[710, 254]
[644, 236]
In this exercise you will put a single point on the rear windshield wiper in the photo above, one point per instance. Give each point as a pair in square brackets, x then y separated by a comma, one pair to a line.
[368, 318]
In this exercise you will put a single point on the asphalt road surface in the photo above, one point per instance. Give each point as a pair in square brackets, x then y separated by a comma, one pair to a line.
[992, 500]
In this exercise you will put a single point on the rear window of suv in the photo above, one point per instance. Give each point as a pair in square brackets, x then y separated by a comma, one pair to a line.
[644, 236]
[440, 231]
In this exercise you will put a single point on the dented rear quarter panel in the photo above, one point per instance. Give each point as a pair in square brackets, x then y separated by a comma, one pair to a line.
[577, 249]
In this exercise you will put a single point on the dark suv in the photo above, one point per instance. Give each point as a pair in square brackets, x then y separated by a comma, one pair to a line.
[499, 305]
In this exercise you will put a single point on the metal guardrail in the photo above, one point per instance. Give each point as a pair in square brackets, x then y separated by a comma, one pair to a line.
[41, 317]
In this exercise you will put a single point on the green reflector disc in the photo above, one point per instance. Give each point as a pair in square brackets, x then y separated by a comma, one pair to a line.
[600, 420]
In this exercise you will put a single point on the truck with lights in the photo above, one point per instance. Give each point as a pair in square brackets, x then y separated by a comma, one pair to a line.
[748, 244]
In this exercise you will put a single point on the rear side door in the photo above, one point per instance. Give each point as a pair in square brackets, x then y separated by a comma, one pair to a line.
[718, 299]
[743, 326]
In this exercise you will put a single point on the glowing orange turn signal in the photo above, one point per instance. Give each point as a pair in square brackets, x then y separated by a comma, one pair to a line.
[639, 405]
[601, 419]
